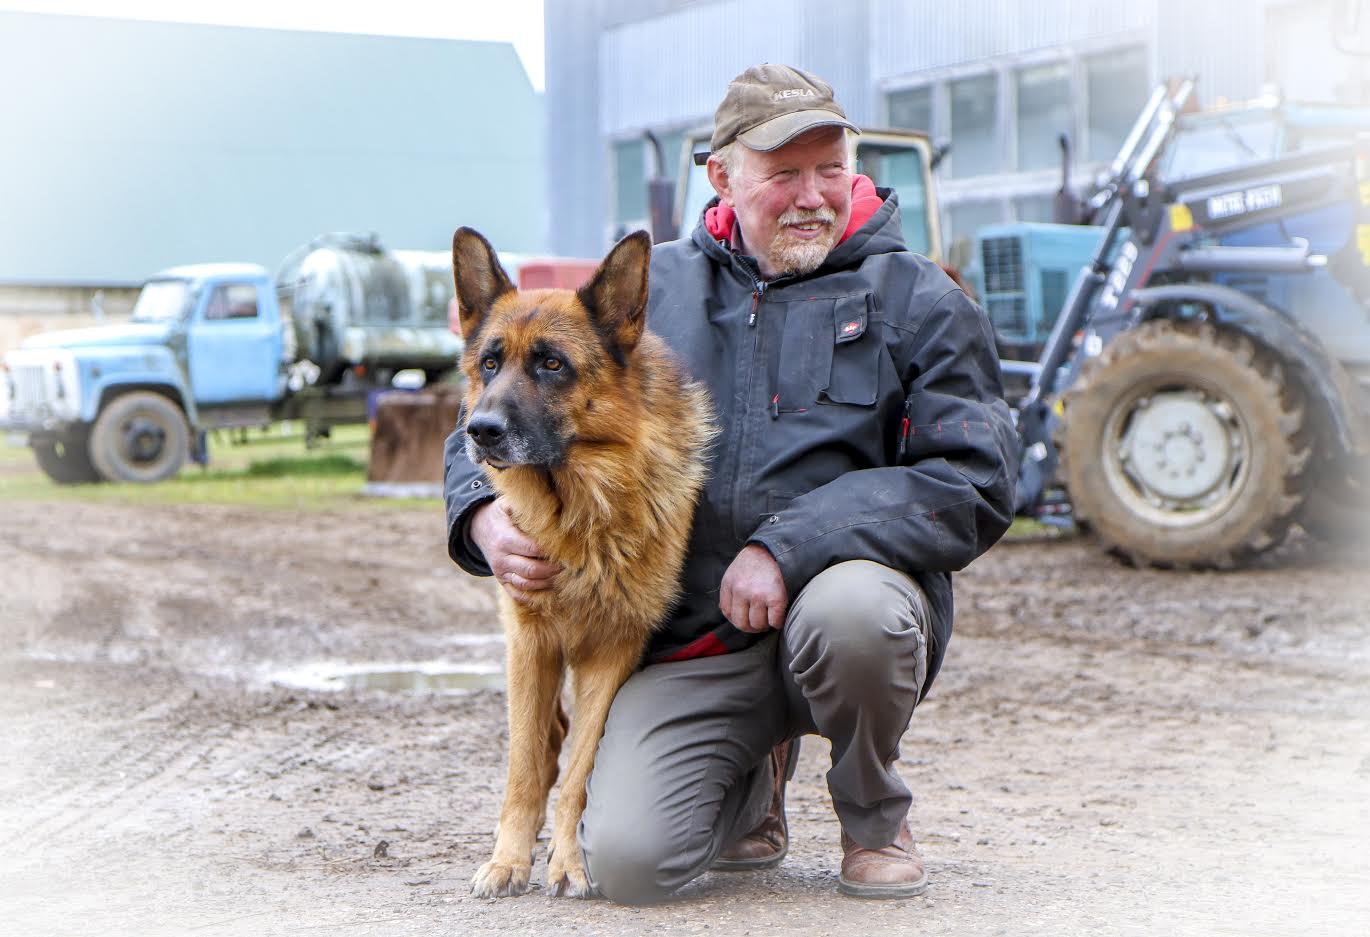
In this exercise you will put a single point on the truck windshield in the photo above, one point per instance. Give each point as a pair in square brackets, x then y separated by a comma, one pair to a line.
[161, 300]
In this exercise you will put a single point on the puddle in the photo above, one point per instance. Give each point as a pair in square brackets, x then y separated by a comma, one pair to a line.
[423, 677]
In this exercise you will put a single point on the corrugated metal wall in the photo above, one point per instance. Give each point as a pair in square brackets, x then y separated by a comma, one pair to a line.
[577, 168]
[126, 147]
[1223, 43]
[677, 66]
[909, 36]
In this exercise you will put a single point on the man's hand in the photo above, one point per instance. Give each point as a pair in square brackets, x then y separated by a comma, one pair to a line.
[516, 561]
[752, 595]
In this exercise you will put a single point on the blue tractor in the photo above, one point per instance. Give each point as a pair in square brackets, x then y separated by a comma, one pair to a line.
[1207, 382]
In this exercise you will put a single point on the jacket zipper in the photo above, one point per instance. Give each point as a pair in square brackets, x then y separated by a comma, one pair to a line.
[744, 437]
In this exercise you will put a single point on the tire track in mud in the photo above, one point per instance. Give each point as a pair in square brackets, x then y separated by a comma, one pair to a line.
[114, 790]
[173, 759]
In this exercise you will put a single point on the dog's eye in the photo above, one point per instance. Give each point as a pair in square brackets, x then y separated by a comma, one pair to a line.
[552, 364]
[488, 363]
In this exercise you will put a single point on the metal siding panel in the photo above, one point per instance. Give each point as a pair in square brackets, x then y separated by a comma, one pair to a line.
[674, 68]
[911, 37]
[576, 160]
[1222, 42]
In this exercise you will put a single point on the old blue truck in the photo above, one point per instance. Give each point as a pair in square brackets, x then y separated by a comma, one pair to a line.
[213, 346]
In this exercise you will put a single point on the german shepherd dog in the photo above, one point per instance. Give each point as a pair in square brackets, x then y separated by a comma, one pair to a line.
[594, 439]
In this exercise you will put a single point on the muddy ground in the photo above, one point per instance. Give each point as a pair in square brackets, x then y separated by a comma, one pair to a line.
[1107, 751]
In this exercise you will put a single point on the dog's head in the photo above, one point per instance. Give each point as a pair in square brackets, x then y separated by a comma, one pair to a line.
[540, 364]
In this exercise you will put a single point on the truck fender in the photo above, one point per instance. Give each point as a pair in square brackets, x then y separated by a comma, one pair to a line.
[123, 384]
[1332, 396]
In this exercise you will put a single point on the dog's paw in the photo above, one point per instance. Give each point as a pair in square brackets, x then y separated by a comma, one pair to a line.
[567, 879]
[499, 880]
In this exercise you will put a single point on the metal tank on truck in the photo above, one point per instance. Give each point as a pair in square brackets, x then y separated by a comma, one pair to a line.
[356, 307]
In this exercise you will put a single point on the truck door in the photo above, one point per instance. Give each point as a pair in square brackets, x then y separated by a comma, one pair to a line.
[234, 347]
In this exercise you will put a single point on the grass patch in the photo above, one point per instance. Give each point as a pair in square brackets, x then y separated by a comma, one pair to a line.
[1025, 528]
[268, 469]
[331, 464]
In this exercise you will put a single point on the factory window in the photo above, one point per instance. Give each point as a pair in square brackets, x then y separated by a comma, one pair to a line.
[1116, 87]
[911, 108]
[630, 184]
[974, 103]
[1044, 113]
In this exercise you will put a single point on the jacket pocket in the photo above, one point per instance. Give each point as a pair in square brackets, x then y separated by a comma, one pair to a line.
[830, 353]
[854, 370]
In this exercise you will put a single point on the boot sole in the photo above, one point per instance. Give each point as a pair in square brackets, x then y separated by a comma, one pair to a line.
[768, 862]
[858, 890]
[752, 865]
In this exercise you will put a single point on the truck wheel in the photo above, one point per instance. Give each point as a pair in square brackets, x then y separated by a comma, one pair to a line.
[139, 437]
[66, 462]
[1184, 446]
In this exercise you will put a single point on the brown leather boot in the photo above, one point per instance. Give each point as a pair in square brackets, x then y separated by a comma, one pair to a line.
[765, 846]
[893, 871]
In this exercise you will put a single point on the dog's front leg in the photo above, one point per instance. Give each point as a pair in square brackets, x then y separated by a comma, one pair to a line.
[595, 681]
[534, 674]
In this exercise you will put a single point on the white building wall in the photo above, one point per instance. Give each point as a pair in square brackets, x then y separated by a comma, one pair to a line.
[127, 147]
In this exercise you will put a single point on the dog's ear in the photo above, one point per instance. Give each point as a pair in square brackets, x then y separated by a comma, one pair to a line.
[479, 278]
[616, 295]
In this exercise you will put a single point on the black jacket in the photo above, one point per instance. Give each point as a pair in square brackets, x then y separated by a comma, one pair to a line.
[861, 418]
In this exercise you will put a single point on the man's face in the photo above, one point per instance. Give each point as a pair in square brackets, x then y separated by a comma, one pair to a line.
[793, 202]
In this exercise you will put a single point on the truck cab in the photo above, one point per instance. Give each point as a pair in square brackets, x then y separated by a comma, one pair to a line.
[207, 346]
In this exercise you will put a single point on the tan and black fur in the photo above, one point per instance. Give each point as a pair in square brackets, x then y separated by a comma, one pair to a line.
[595, 441]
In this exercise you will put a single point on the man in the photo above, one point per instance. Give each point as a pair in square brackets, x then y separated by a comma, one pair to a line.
[864, 454]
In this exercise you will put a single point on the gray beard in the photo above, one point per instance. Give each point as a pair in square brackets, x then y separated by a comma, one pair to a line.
[795, 257]
[799, 257]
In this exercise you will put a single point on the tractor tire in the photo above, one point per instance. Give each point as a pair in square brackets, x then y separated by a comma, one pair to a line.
[66, 461]
[1183, 446]
[139, 437]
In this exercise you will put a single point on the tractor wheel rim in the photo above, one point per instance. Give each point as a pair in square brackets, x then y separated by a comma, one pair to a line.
[1176, 455]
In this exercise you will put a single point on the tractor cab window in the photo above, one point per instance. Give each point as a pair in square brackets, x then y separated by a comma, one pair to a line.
[698, 190]
[900, 167]
[232, 301]
[161, 301]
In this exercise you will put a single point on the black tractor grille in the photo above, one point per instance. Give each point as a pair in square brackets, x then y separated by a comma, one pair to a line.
[1002, 258]
[1008, 315]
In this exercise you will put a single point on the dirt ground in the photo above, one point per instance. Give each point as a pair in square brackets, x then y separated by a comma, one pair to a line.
[1107, 751]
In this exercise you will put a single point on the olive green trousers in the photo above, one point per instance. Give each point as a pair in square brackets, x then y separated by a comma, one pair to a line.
[682, 769]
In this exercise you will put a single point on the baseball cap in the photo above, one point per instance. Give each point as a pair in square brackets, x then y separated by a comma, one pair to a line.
[767, 106]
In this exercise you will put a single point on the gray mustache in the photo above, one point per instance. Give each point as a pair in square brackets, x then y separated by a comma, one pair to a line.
[822, 215]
